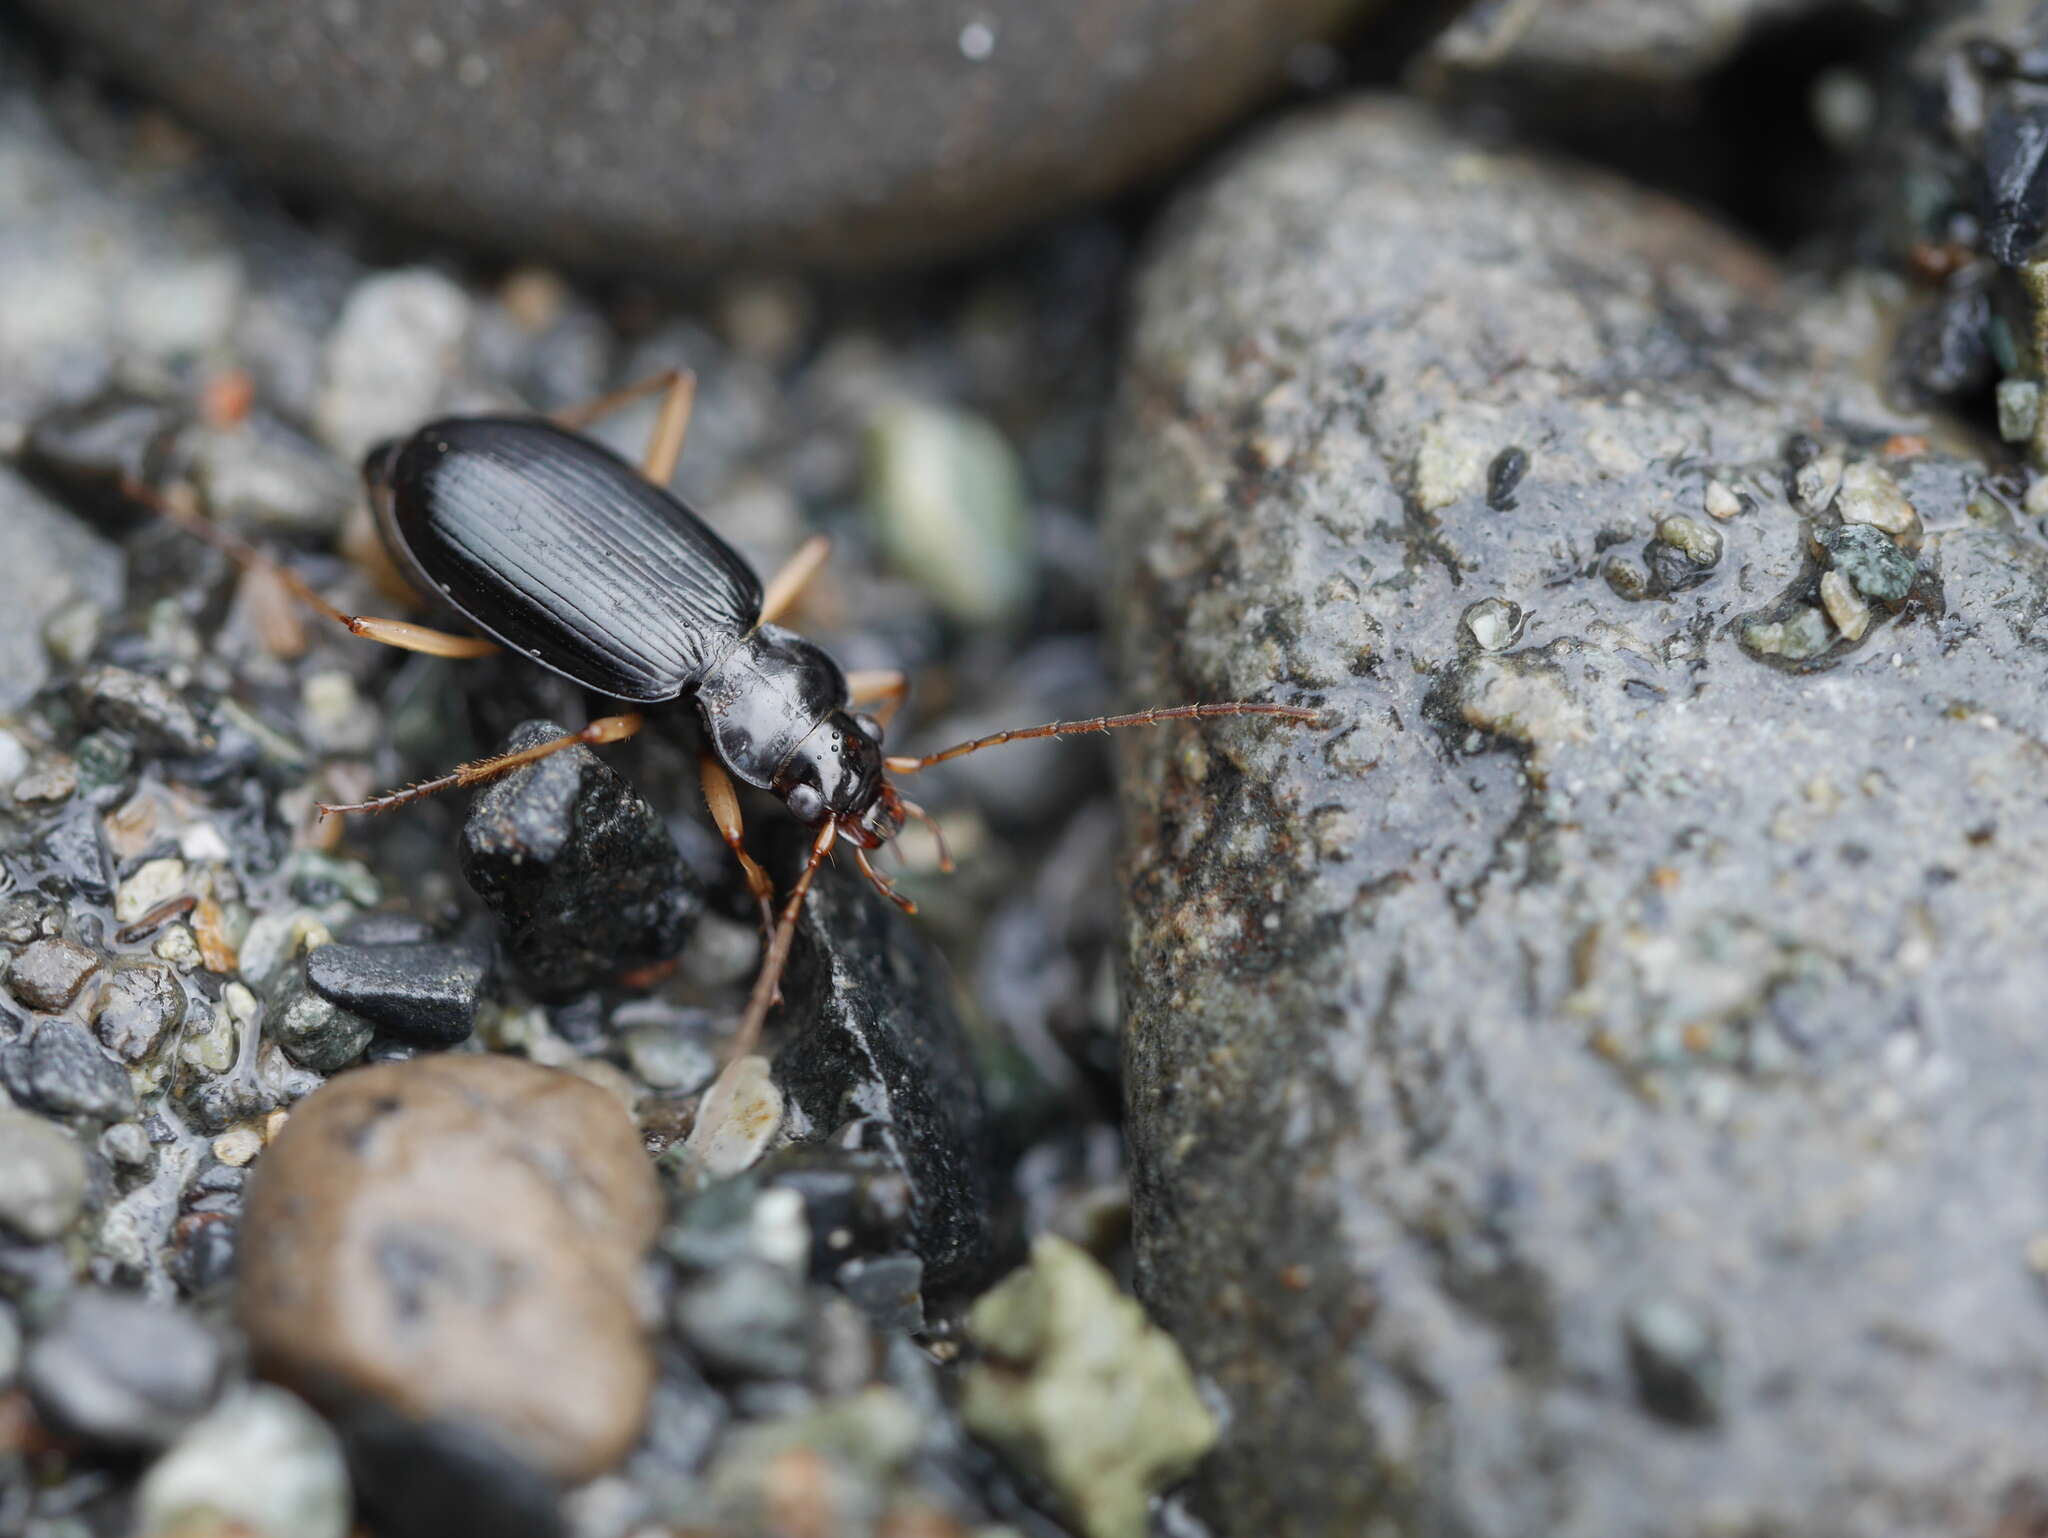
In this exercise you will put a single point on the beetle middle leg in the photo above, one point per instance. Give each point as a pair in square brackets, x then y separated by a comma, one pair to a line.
[604, 729]
[402, 634]
[724, 802]
[788, 584]
[678, 389]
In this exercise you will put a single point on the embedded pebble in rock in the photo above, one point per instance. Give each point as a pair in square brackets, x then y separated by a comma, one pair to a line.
[1494, 623]
[48, 559]
[147, 709]
[313, 1032]
[259, 1464]
[424, 993]
[135, 1007]
[1721, 501]
[55, 1066]
[454, 1242]
[793, 138]
[579, 867]
[1077, 1386]
[1627, 964]
[47, 974]
[874, 1037]
[1866, 556]
[116, 1369]
[42, 1177]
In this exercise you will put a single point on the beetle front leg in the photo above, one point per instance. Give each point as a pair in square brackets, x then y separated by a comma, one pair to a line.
[724, 802]
[788, 584]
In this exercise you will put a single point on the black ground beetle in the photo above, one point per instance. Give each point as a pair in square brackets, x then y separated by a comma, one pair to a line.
[559, 550]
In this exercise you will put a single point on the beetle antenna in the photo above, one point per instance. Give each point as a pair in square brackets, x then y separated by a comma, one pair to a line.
[1108, 724]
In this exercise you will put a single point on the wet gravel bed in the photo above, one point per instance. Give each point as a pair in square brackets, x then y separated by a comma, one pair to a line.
[208, 1305]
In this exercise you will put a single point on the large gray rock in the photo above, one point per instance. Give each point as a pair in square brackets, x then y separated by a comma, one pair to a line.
[1592, 1087]
[650, 134]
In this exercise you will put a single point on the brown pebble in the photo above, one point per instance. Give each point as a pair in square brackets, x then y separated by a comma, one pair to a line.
[459, 1237]
[48, 973]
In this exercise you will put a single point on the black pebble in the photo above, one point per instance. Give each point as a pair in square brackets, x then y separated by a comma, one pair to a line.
[56, 1067]
[429, 1479]
[424, 993]
[114, 1369]
[580, 869]
[1503, 476]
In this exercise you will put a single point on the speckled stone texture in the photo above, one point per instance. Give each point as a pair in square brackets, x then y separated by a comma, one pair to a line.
[1594, 1087]
[649, 133]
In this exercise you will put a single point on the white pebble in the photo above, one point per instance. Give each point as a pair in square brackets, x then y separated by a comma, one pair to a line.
[260, 1463]
[157, 881]
[1845, 605]
[238, 1147]
[737, 1119]
[1722, 501]
[1870, 495]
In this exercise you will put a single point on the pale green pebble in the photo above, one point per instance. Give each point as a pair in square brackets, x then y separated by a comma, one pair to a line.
[1079, 1387]
[315, 877]
[1804, 634]
[1699, 542]
[210, 1045]
[2019, 408]
[260, 1463]
[948, 502]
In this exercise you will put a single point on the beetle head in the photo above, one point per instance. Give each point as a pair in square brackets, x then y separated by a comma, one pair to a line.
[836, 771]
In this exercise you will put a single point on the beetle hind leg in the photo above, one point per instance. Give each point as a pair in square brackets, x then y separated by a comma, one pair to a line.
[402, 634]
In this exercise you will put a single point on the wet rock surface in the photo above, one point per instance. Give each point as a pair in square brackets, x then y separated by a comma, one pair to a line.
[1575, 1044]
[455, 1240]
[789, 134]
[878, 1059]
[578, 867]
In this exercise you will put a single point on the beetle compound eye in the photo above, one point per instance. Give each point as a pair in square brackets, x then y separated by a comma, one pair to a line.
[806, 803]
[868, 727]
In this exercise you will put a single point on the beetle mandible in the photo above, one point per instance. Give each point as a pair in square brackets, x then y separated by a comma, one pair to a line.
[557, 549]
